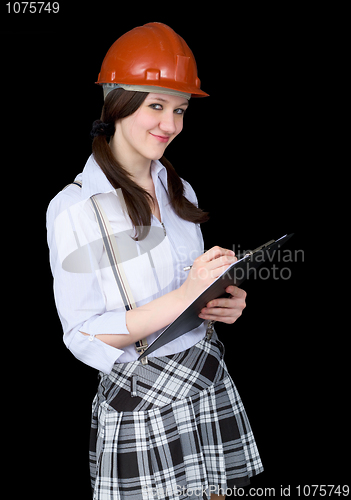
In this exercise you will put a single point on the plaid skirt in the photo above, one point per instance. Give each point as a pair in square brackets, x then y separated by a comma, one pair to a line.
[174, 429]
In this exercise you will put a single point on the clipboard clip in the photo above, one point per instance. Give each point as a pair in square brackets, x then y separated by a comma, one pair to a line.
[250, 253]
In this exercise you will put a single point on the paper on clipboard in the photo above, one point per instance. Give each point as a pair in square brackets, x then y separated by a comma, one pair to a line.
[236, 274]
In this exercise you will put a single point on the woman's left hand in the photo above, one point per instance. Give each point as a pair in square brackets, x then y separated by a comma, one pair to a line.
[226, 310]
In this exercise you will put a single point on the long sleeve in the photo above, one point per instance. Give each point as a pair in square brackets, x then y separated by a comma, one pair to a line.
[79, 298]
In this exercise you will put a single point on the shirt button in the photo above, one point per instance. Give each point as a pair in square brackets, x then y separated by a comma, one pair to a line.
[91, 338]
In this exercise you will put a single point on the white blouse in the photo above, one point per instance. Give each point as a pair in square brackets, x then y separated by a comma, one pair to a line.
[86, 293]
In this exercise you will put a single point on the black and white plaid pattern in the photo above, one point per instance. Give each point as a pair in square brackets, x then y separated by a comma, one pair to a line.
[171, 429]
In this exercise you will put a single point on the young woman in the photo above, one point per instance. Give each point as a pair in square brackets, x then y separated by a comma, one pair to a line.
[172, 426]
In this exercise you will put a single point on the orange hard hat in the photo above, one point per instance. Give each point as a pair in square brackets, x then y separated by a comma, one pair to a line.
[152, 55]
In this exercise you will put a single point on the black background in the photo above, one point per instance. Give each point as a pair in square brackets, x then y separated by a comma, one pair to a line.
[251, 151]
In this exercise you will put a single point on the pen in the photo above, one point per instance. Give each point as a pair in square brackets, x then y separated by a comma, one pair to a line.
[187, 268]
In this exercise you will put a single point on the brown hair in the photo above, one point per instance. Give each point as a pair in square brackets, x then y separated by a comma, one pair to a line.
[119, 104]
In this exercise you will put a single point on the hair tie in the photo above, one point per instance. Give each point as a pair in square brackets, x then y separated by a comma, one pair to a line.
[101, 128]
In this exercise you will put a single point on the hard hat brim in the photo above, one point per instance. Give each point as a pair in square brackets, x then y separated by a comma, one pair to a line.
[185, 89]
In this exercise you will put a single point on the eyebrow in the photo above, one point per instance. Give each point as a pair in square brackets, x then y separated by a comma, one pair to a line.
[165, 100]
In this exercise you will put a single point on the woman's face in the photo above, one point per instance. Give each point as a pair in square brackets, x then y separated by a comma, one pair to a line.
[147, 132]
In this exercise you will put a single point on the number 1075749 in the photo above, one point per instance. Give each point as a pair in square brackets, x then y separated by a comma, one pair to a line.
[33, 7]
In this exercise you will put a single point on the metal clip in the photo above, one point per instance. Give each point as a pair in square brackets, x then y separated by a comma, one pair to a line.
[263, 246]
[140, 349]
[133, 386]
[144, 361]
[210, 328]
[250, 253]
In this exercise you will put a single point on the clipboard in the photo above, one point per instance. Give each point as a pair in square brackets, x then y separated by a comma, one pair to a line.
[236, 274]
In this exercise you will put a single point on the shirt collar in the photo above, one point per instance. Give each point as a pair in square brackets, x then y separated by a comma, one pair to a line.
[158, 171]
[94, 181]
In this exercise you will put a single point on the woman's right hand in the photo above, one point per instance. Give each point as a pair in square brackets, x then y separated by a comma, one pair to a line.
[206, 268]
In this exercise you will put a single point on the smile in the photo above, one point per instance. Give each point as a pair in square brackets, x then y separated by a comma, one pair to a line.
[161, 138]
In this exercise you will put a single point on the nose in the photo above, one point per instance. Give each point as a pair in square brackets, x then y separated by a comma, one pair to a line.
[167, 123]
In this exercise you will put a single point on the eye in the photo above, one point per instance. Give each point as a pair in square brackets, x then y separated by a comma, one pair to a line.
[180, 111]
[157, 107]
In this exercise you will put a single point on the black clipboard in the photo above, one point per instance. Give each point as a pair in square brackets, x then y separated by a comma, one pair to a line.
[234, 275]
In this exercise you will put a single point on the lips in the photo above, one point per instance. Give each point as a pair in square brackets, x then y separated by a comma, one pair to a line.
[161, 138]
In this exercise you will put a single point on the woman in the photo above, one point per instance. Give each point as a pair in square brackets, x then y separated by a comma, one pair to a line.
[172, 426]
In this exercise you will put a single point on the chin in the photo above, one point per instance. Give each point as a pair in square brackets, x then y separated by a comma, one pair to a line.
[156, 155]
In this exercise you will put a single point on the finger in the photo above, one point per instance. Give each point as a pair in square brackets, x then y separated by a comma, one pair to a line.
[236, 292]
[232, 307]
[223, 261]
[216, 252]
[212, 269]
[225, 306]
[224, 303]
[222, 318]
